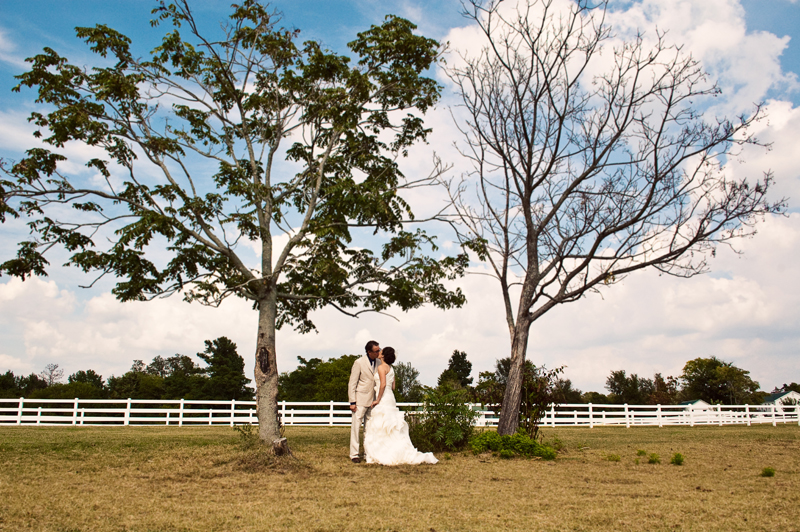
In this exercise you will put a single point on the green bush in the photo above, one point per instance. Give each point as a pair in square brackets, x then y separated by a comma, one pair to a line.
[653, 459]
[613, 458]
[641, 452]
[768, 472]
[677, 459]
[445, 423]
[517, 444]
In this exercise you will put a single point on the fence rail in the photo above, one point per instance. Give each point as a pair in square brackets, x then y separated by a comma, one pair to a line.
[182, 412]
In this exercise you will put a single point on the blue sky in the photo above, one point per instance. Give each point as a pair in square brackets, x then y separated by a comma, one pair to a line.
[746, 311]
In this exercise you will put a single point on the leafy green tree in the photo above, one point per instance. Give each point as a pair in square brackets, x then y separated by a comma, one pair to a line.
[159, 366]
[9, 387]
[665, 391]
[793, 387]
[563, 392]
[456, 375]
[407, 385]
[71, 390]
[315, 380]
[136, 384]
[88, 377]
[192, 137]
[183, 378]
[28, 385]
[718, 382]
[225, 370]
[630, 389]
[596, 398]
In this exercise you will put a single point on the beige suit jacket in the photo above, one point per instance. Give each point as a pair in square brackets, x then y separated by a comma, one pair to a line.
[361, 388]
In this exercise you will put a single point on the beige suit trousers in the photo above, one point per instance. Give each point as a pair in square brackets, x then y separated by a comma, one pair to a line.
[360, 416]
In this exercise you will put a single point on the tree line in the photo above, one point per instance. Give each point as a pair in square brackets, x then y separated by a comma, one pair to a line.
[710, 379]
[175, 377]
[179, 377]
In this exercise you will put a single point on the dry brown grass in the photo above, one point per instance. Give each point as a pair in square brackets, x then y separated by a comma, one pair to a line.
[198, 478]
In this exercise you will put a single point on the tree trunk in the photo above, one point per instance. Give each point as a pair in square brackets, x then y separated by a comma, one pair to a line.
[266, 373]
[509, 412]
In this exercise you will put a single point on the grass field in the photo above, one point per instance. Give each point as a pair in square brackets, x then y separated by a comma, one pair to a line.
[200, 478]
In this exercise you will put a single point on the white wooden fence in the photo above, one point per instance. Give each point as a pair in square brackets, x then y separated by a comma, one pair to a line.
[185, 412]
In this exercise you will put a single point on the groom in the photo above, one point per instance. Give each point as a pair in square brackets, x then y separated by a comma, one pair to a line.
[361, 391]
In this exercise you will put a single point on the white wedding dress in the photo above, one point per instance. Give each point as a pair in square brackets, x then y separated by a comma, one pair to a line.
[386, 438]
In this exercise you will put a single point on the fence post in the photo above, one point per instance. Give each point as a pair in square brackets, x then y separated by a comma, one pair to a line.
[774, 414]
[167, 422]
[19, 410]
[39, 415]
[658, 412]
[283, 412]
[552, 415]
[330, 416]
[210, 413]
[128, 412]
[591, 420]
[691, 415]
[747, 413]
[797, 413]
[719, 414]
[75, 412]
[233, 410]
[180, 413]
[627, 419]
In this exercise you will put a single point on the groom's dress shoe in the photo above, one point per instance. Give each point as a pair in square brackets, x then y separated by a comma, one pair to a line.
[356, 460]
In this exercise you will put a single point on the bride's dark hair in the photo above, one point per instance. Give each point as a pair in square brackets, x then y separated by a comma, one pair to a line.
[388, 355]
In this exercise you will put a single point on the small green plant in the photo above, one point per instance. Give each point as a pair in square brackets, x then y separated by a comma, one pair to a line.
[555, 442]
[447, 456]
[248, 436]
[768, 472]
[677, 459]
[445, 424]
[613, 458]
[506, 454]
[641, 452]
[519, 444]
[636, 461]
[653, 458]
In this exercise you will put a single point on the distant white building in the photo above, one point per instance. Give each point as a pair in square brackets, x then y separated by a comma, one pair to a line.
[782, 399]
[697, 404]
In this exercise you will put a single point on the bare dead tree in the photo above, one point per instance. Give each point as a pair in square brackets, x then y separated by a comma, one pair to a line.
[581, 178]
[52, 374]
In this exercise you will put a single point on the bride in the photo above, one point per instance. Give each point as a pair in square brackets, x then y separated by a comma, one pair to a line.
[386, 438]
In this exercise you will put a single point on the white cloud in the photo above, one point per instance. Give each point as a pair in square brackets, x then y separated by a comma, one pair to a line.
[745, 64]
[8, 51]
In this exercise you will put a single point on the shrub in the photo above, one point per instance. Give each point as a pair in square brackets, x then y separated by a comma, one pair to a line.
[641, 452]
[768, 472]
[677, 459]
[445, 424]
[517, 444]
[653, 459]
[613, 458]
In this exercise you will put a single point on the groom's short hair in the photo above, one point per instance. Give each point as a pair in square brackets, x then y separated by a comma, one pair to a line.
[370, 345]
